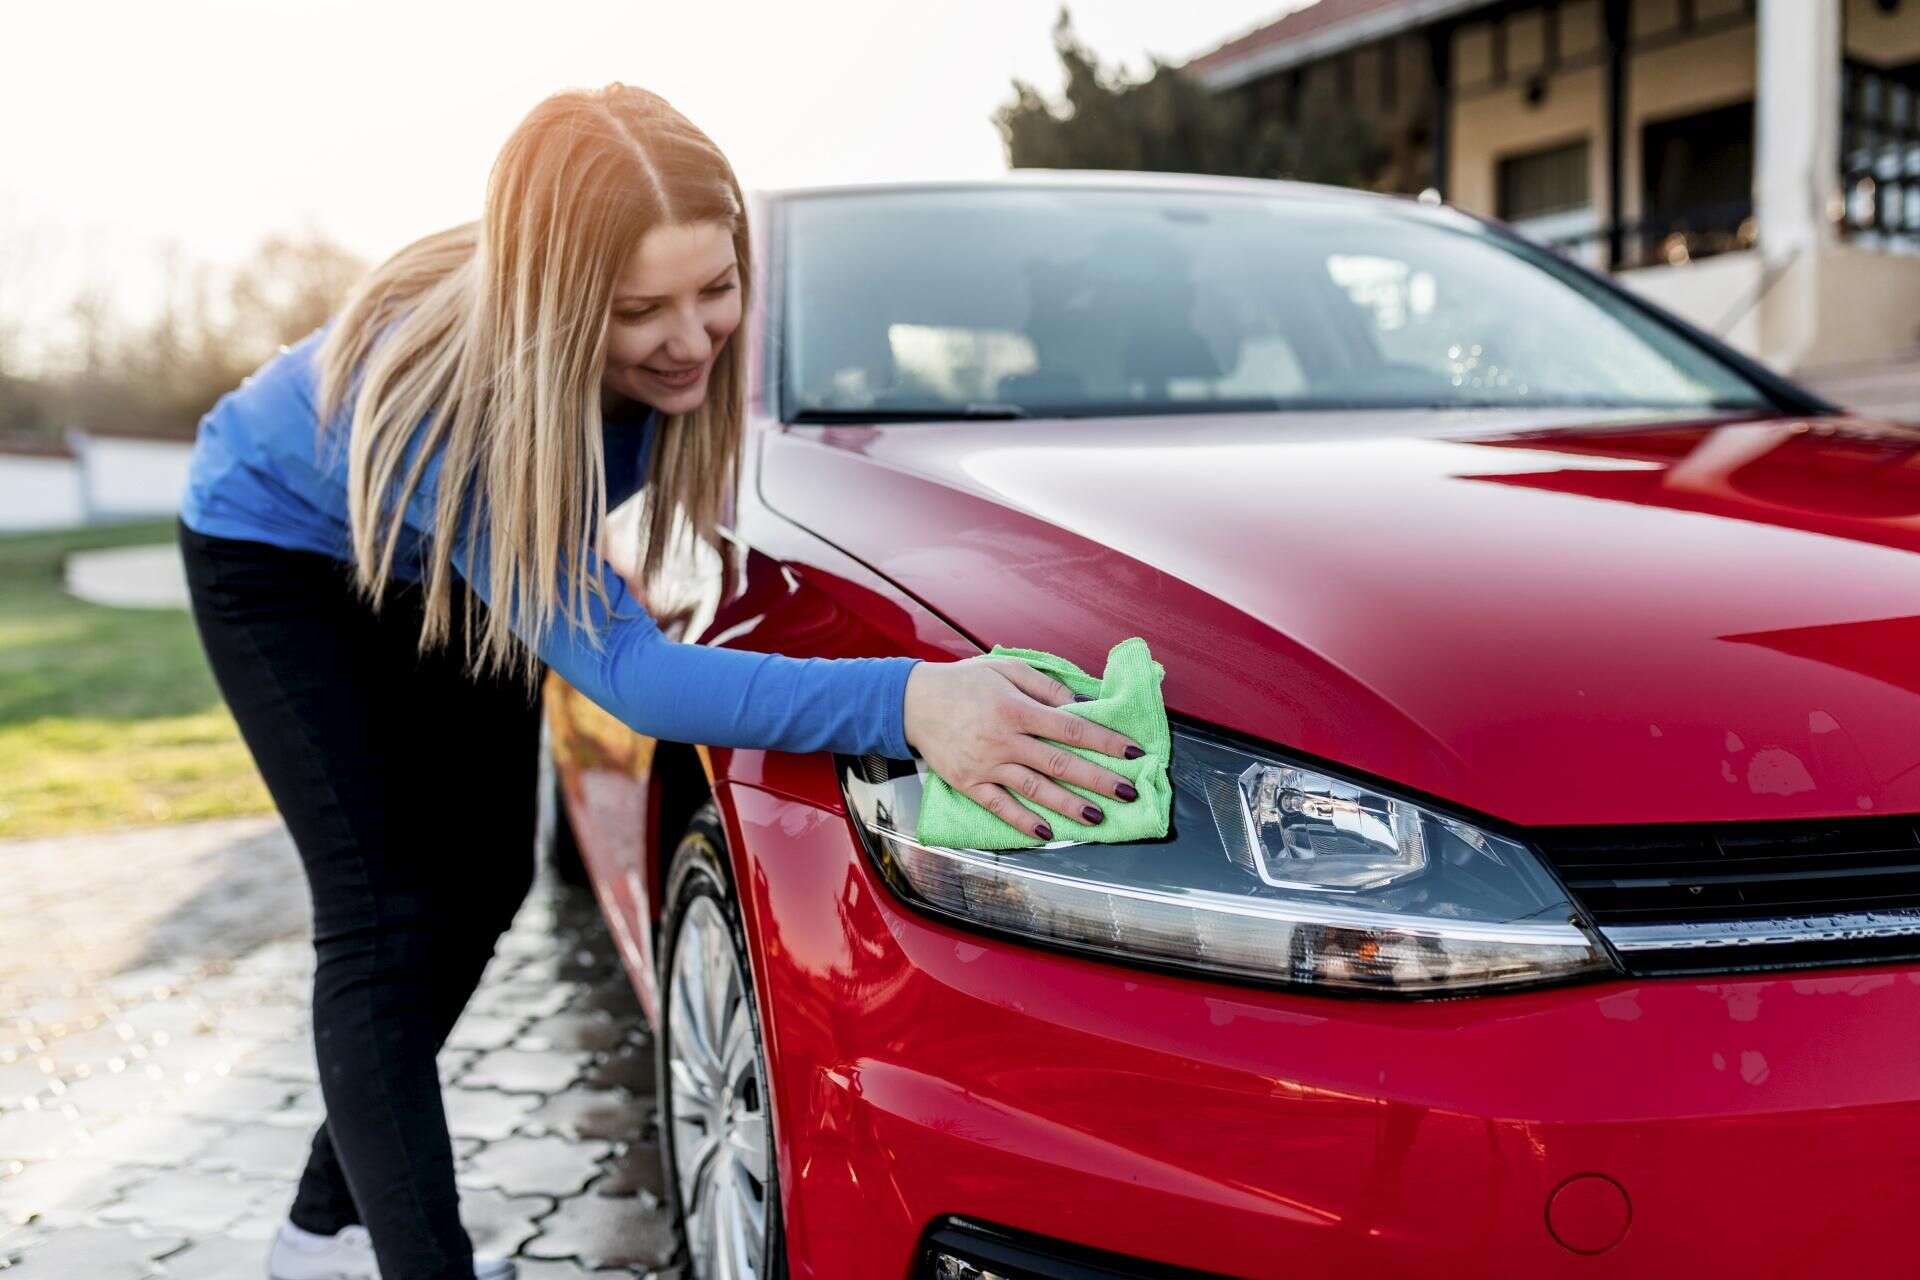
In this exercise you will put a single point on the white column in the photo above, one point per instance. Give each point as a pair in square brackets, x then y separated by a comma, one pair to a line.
[1796, 170]
[1796, 153]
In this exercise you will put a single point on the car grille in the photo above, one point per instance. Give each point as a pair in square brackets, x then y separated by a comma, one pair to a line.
[1733, 896]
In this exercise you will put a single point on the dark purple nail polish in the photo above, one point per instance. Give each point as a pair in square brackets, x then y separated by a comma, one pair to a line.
[1083, 697]
[1044, 831]
[1133, 752]
[1126, 792]
[1091, 814]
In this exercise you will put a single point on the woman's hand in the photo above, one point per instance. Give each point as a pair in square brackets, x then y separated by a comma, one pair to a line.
[980, 724]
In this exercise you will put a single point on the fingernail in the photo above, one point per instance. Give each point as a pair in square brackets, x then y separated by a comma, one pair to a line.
[1083, 697]
[1044, 831]
[1133, 752]
[1126, 792]
[1091, 814]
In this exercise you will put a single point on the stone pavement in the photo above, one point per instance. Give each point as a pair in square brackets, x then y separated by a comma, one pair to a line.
[157, 1081]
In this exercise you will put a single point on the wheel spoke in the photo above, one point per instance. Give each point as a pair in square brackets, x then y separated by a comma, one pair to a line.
[719, 979]
[689, 1012]
[723, 1237]
[747, 1136]
[751, 1212]
[736, 1223]
[690, 1082]
[688, 1133]
[700, 1170]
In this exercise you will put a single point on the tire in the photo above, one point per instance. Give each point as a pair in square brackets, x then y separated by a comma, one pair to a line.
[553, 839]
[704, 951]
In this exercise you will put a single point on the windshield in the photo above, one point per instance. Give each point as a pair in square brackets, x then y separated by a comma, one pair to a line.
[1079, 302]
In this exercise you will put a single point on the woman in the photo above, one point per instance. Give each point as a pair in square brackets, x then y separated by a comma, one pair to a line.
[390, 528]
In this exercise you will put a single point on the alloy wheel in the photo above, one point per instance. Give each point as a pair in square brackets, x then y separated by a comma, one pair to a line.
[717, 1100]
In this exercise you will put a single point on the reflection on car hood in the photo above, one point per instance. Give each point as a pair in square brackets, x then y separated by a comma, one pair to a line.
[1545, 618]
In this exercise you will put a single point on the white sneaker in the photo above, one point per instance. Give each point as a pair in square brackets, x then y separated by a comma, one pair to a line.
[298, 1254]
[347, 1254]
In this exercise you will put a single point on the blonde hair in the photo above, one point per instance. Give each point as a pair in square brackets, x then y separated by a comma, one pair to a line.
[484, 344]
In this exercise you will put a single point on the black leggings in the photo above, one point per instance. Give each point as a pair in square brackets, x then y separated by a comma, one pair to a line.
[409, 788]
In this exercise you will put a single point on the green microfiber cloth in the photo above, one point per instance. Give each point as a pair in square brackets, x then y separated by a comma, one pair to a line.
[1126, 699]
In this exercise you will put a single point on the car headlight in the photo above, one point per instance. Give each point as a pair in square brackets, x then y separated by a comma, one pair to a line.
[1272, 870]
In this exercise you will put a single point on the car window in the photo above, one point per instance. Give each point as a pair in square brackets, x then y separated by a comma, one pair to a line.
[1081, 301]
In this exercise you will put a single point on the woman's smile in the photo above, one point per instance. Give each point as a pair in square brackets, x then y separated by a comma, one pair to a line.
[677, 380]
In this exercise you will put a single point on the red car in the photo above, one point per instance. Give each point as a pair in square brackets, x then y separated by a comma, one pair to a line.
[1543, 892]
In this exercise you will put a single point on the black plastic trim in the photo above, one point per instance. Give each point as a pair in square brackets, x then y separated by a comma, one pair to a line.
[1023, 1255]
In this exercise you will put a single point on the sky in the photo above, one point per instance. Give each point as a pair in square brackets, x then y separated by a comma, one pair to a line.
[209, 124]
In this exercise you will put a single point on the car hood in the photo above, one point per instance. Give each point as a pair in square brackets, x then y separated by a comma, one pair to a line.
[1546, 619]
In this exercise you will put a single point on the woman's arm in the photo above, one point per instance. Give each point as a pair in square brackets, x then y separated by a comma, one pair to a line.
[713, 696]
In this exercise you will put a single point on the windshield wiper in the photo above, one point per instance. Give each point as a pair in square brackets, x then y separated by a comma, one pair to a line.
[979, 410]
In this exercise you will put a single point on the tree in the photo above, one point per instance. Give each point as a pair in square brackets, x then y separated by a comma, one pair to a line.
[286, 290]
[158, 375]
[22, 262]
[215, 329]
[1170, 122]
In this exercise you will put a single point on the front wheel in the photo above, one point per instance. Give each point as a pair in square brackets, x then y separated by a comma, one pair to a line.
[716, 1128]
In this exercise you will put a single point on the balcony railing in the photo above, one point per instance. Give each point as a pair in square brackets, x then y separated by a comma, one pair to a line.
[1665, 238]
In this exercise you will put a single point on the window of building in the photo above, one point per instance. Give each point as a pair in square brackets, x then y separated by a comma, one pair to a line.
[1543, 182]
[1880, 154]
[1698, 162]
[1546, 196]
[1696, 174]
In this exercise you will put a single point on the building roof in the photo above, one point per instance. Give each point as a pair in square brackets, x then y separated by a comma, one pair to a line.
[1315, 30]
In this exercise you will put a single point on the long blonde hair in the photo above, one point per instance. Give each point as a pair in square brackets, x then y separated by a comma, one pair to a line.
[484, 344]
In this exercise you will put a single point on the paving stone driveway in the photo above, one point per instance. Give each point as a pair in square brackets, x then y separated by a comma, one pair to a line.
[157, 1081]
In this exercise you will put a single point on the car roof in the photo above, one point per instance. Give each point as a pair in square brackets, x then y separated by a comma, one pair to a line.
[1108, 179]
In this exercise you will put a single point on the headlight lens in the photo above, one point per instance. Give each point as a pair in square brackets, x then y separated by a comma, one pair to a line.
[1272, 871]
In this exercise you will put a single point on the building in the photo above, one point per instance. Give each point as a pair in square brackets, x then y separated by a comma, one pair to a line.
[1751, 164]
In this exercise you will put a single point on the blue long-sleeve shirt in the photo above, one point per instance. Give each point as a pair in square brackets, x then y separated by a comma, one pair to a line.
[258, 472]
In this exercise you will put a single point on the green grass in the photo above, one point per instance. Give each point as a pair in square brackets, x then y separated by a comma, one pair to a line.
[107, 716]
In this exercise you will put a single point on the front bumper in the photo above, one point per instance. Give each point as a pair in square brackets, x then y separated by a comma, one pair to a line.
[1761, 1125]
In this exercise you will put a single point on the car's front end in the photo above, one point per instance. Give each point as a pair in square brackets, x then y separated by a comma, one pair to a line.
[1542, 894]
[1544, 883]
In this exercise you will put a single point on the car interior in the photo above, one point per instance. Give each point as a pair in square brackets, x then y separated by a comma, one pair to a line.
[1159, 304]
